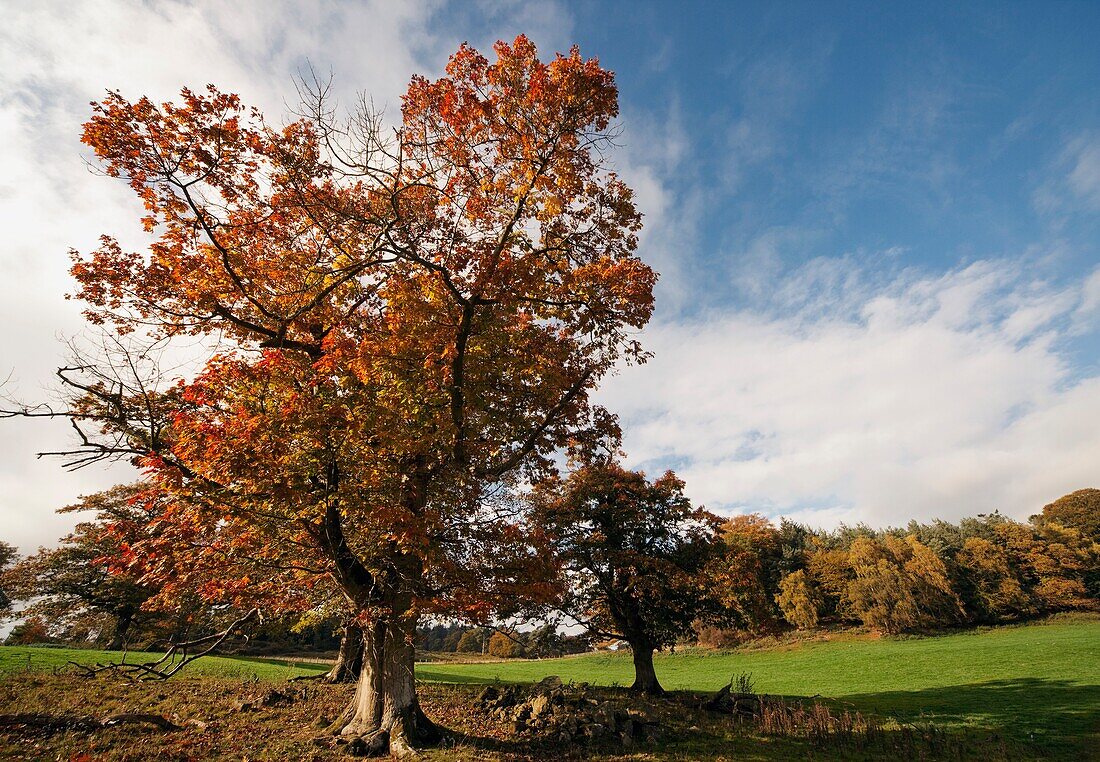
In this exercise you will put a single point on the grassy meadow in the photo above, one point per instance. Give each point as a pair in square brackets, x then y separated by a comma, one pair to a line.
[1028, 691]
[15, 659]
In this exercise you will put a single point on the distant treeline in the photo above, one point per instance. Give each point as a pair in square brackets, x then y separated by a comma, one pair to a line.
[981, 570]
[537, 643]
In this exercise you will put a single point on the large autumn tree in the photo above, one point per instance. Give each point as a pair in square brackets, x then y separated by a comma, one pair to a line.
[406, 320]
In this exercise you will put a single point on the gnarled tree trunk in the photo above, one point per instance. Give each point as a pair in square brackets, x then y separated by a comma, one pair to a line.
[349, 659]
[122, 626]
[385, 714]
[645, 677]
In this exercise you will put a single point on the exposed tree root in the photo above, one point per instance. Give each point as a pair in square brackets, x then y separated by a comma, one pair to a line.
[401, 739]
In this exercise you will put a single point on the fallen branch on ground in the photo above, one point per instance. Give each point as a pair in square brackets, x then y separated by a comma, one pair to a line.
[176, 658]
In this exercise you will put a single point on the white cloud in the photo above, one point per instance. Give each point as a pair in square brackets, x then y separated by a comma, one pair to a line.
[928, 397]
[1089, 308]
[653, 152]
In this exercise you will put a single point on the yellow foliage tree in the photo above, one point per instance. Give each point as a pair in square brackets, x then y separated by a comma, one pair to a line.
[900, 585]
[997, 587]
[799, 600]
[504, 647]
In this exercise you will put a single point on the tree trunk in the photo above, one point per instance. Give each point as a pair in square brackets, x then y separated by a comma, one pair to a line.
[645, 677]
[385, 715]
[349, 659]
[122, 626]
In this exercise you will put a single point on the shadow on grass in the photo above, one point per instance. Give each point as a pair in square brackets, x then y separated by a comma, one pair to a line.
[429, 672]
[1058, 714]
[276, 662]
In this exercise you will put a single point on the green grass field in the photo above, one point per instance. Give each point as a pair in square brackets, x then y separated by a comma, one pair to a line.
[1038, 684]
[1040, 681]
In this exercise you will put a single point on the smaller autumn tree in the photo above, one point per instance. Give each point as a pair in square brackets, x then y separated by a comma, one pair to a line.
[829, 572]
[900, 585]
[73, 587]
[471, 641]
[746, 575]
[992, 586]
[1052, 561]
[29, 632]
[505, 645]
[632, 552]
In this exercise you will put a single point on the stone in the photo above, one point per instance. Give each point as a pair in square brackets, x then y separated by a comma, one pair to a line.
[548, 683]
[539, 706]
[274, 697]
[597, 732]
[605, 716]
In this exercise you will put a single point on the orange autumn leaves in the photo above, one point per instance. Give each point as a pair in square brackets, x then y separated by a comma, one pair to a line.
[404, 320]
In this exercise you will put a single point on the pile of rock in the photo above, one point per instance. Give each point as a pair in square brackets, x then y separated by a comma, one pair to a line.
[742, 705]
[569, 714]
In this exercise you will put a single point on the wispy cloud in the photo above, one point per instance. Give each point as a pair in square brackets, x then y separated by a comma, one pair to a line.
[1073, 179]
[1084, 176]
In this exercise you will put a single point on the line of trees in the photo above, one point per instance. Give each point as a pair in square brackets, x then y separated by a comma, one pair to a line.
[541, 642]
[981, 570]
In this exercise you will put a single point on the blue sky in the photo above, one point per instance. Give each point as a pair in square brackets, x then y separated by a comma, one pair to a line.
[876, 223]
[940, 134]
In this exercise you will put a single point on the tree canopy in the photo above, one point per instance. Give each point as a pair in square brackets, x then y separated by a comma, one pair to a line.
[403, 323]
